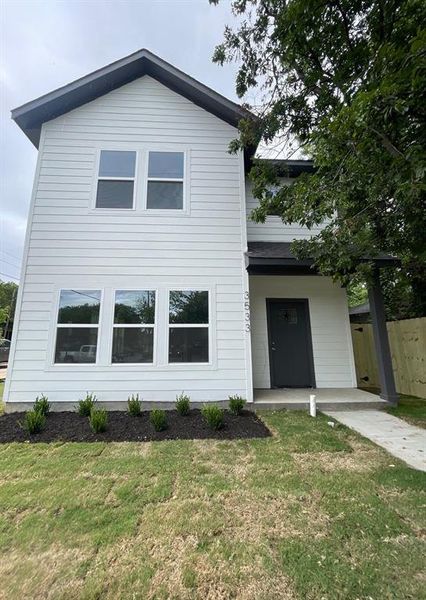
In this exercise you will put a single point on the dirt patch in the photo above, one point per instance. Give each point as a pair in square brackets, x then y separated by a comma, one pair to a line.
[70, 427]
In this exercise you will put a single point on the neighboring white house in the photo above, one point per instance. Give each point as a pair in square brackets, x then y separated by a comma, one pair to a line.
[142, 271]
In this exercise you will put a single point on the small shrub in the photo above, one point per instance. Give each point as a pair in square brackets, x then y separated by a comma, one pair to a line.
[42, 405]
[213, 416]
[98, 420]
[86, 406]
[158, 419]
[236, 404]
[182, 404]
[134, 405]
[34, 421]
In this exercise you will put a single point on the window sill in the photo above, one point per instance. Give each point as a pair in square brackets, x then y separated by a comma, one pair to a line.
[134, 367]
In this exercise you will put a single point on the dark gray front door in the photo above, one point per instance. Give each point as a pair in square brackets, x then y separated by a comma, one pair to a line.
[290, 343]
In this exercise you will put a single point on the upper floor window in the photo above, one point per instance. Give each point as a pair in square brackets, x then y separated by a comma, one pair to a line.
[116, 179]
[77, 326]
[165, 180]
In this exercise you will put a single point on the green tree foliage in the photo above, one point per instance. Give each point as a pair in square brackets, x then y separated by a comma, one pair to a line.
[189, 307]
[143, 312]
[8, 291]
[81, 313]
[346, 79]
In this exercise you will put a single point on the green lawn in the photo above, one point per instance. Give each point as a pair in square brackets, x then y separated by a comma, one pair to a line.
[411, 409]
[313, 512]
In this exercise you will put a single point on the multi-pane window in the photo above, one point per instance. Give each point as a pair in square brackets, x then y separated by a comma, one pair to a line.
[116, 179]
[188, 326]
[133, 330]
[77, 326]
[165, 180]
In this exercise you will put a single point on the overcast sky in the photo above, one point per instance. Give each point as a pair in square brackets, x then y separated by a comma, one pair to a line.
[46, 44]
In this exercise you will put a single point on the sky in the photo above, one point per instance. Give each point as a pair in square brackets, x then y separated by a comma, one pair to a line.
[47, 44]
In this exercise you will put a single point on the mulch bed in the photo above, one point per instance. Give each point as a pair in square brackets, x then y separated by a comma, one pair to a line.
[70, 427]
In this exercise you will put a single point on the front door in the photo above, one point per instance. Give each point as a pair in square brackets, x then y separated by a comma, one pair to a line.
[290, 343]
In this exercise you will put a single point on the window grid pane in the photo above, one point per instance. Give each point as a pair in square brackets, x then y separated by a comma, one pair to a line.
[133, 345]
[188, 345]
[189, 307]
[114, 193]
[117, 163]
[166, 165]
[79, 307]
[165, 195]
[76, 345]
[134, 307]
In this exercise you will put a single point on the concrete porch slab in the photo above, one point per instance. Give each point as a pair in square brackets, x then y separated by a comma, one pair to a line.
[327, 399]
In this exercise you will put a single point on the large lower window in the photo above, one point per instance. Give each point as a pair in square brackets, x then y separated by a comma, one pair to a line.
[77, 326]
[165, 180]
[188, 326]
[133, 331]
[116, 179]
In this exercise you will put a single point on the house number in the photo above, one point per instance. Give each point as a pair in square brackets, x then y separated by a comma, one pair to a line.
[247, 310]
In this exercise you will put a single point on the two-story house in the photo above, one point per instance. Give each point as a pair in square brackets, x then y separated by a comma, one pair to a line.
[142, 270]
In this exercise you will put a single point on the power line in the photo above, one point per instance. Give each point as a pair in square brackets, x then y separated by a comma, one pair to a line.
[11, 264]
[12, 255]
[9, 275]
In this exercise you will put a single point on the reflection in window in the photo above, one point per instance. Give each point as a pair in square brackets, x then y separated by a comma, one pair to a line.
[131, 342]
[165, 180]
[116, 179]
[77, 326]
[133, 345]
[188, 326]
[189, 307]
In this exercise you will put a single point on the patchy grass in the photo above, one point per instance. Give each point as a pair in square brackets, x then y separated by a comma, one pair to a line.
[312, 512]
[410, 409]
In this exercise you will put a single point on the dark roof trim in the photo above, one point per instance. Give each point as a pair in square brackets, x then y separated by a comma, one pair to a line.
[32, 115]
[288, 168]
[360, 309]
[260, 255]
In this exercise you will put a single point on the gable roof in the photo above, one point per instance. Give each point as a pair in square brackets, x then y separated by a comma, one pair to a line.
[32, 115]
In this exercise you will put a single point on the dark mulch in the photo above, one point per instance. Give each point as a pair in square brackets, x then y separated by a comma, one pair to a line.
[70, 427]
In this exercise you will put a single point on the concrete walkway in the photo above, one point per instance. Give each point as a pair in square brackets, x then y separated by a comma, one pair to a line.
[401, 439]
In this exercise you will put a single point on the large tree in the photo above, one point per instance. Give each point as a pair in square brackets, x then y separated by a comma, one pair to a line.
[346, 80]
[8, 291]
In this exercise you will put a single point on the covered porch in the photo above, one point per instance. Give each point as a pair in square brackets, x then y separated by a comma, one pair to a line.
[300, 333]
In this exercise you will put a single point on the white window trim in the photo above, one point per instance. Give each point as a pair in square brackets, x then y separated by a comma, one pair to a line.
[184, 180]
[97, 178]
[212, 358]
[154, 326]
[160, 362]
[55, 326]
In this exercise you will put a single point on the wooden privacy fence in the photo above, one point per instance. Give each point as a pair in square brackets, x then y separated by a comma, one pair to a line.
[408, 348]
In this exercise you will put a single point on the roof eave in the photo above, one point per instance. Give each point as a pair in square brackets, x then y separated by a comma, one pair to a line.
[32, 115]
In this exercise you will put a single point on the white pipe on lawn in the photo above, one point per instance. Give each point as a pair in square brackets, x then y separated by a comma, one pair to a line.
[312, 405]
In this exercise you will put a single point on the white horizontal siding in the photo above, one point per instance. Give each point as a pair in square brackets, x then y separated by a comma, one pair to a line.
[331, 339]
[71, 245]
[273, 230]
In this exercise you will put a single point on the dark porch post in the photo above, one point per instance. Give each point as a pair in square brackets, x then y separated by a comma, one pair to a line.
[381, 340]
